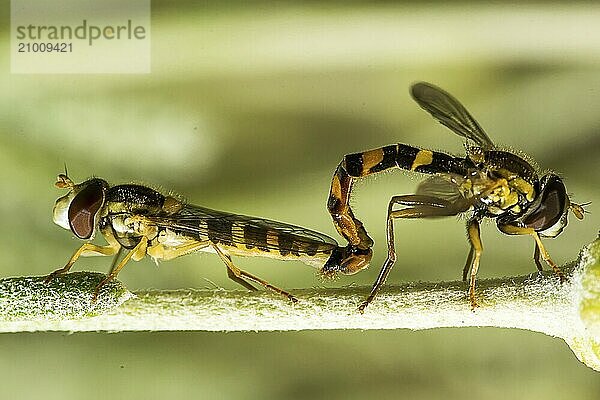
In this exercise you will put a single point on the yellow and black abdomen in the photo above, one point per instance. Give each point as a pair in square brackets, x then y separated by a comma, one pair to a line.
[404, 157]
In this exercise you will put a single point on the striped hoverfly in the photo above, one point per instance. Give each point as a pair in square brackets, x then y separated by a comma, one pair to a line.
[144, 222]
[486, 183]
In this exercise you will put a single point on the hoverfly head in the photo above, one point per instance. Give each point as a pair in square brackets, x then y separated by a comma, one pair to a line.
[78, 210]
[548, 213]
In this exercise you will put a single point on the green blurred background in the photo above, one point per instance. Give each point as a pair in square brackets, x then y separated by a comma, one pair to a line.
[249, 108]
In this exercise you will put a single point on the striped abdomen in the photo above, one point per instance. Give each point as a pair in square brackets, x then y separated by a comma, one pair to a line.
[357, 165]
[247, 236]
[401, 156]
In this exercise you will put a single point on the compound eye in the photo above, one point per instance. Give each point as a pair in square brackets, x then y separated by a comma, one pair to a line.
[552, 206]
[84, 208]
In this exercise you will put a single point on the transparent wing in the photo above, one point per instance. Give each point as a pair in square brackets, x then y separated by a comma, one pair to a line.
[443, 186]
[449, 112]
[244, 230]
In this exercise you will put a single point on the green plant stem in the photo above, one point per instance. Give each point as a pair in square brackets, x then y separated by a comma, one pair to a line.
[537, 302]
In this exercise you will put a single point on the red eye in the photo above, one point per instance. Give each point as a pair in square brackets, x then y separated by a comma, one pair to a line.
[551, 208]
[84, 207]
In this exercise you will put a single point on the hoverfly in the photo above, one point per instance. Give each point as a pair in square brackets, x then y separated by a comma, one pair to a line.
[145, 222]
[487, 183]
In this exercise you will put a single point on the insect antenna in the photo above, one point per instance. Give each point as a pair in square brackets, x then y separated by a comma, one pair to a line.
[579, 209]
[63, 180]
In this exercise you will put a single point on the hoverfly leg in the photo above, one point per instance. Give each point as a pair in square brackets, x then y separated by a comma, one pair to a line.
[136, 253]
[475, 256]
[86, 250]
[516, 230]
[115, 260]
[547, 259]
[268, 286]
[243, 276]
[536, 258]
[467, 267]
[389, 261]
[419, 206]
[237, 279]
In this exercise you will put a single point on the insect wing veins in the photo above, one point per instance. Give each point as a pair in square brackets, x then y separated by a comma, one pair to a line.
[234, 229]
